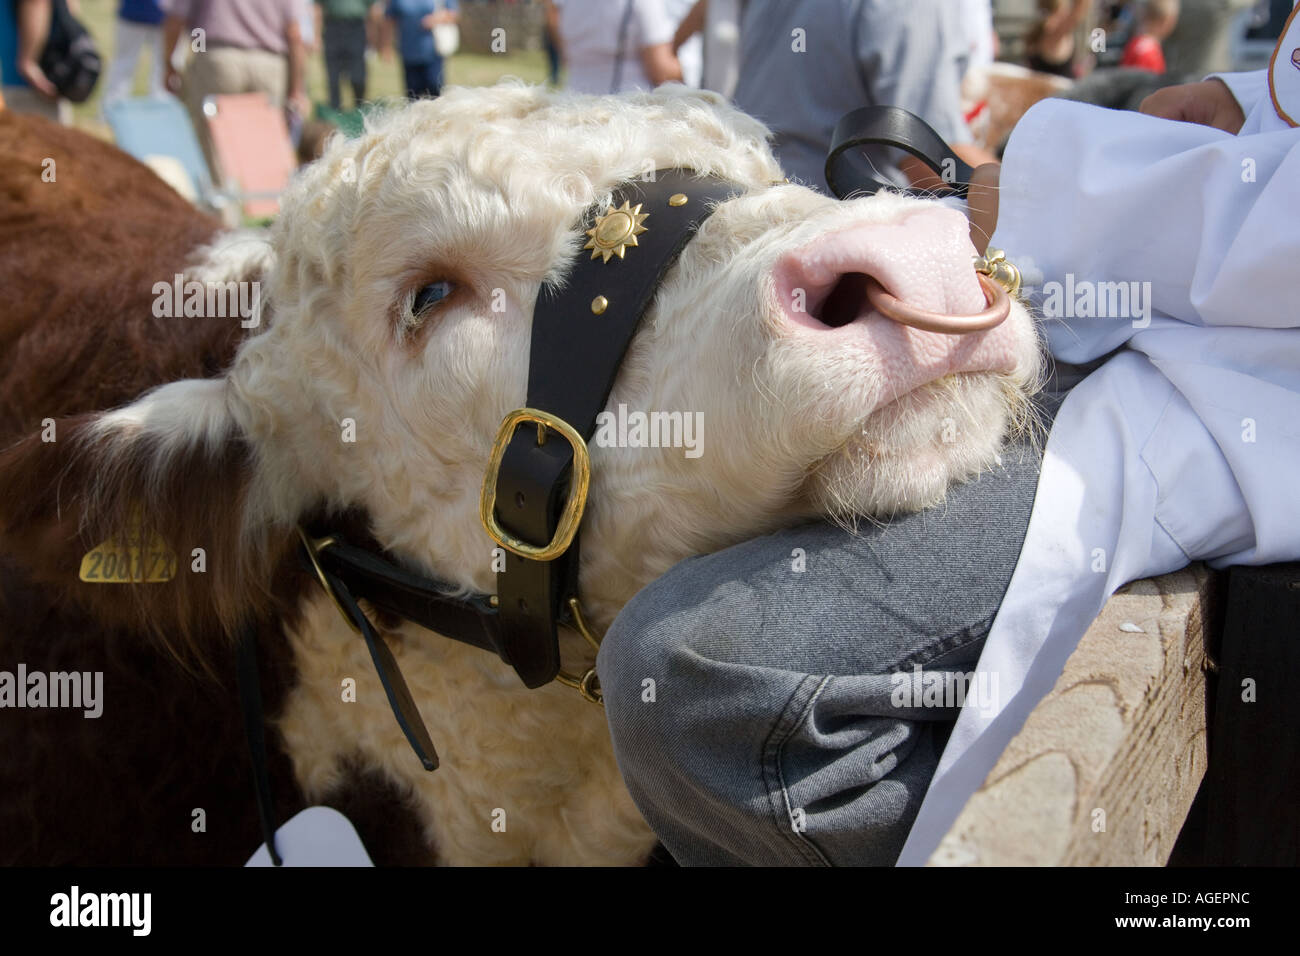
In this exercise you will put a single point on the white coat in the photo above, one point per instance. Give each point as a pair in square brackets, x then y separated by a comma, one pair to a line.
[1185, 446]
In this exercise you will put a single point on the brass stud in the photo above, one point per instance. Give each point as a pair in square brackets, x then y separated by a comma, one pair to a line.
[677, 199]
[599, 305]
[616, 230]
[494, 601]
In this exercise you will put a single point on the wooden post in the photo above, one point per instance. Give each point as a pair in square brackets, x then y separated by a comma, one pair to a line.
[1105, 768]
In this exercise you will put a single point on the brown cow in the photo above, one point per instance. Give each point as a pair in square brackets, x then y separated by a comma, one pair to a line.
[85, 230]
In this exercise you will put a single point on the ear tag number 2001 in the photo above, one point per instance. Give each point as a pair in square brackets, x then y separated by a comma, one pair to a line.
[127, 559]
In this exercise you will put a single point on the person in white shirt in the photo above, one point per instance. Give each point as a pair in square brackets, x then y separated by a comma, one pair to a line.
[612, 46]
[1184, 445]
[1161, 250]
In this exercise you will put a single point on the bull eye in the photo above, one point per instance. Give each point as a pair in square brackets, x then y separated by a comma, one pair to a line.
[431, 295]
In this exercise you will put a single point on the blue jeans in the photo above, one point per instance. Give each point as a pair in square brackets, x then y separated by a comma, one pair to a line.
[760, 698]
[423, 79]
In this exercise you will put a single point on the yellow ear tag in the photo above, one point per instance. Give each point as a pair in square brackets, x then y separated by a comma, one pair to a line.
[127, 559]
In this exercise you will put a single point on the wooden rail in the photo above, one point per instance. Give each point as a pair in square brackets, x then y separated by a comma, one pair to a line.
[1105, 768]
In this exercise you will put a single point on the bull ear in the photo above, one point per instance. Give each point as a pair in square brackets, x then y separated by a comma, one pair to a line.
[170, 475]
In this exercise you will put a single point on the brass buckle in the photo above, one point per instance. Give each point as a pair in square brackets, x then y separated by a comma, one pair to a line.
[570, 517]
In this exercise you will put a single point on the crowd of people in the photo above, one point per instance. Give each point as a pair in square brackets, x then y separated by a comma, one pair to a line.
[250, 45]
[796, 64]
[801, 64]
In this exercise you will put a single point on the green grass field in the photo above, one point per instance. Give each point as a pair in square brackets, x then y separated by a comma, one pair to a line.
[385, 78]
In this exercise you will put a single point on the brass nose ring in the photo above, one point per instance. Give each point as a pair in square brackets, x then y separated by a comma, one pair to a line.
[994, 313]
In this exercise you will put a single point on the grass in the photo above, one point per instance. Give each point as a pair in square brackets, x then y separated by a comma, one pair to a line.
[385, 77]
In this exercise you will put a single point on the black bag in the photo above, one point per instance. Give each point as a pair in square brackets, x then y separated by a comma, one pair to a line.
[70, 59]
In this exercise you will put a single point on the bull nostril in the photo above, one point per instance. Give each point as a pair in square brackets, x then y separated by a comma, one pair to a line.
[519, 499]
[846, 302]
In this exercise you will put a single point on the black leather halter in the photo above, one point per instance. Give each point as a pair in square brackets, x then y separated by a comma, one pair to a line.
[537, 479]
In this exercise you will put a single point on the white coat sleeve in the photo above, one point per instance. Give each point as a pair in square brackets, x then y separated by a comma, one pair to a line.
[1183, 447]
[1209, 219]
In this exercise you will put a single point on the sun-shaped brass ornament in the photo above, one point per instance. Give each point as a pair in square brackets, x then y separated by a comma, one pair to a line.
[616, 230]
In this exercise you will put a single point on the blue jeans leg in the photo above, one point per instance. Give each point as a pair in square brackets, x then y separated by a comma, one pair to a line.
[756, 696]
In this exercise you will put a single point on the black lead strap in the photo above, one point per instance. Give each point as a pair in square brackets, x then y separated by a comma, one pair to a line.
[250, 702]
[399, 696]
[849, 171]
[390, 676]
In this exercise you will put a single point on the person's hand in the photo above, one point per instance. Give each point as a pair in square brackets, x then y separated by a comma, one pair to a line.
[1209, 103]
[31, 71]
[982, 204]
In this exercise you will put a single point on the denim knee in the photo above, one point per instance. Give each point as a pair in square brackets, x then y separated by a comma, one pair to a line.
[732, 761]
[645, 660]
